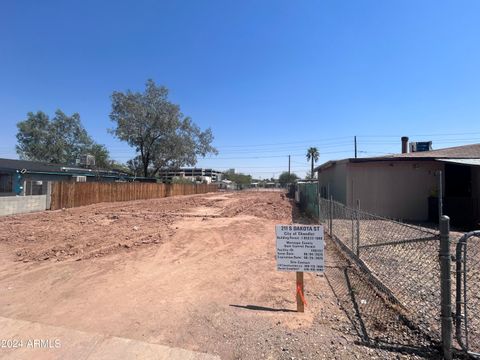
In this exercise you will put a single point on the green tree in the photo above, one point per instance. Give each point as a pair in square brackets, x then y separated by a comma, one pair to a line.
[287, 178]
[60, 140]
[135, 166]
[123, 168]
[102, 157]
[161, 135]
[239, 178]
[312, 155]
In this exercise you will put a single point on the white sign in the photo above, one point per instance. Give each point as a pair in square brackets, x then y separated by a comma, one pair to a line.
[300, 248]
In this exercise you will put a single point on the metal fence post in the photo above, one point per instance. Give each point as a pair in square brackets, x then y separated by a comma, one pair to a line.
[319, 213]
[440, 196]
[358, 228]
[352, 212]
[445, 287]
[331, 215]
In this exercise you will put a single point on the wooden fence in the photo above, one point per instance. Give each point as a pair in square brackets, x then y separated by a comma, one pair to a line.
[73, 194]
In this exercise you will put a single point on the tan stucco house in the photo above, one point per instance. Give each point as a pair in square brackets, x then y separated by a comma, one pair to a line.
[404, 186]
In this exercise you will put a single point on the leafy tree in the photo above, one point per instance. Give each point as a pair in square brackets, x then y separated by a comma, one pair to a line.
[135, 166]
[102, 157]
[123, 168]
[239, 178]
[60, 140]
[287, 178]
[162, 136]
[34, 139]
[312, 155]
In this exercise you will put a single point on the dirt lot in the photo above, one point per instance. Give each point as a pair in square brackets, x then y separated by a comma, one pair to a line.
[194, 272]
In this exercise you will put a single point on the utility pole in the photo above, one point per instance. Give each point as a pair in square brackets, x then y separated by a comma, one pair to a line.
[355, 142]
[288, 164]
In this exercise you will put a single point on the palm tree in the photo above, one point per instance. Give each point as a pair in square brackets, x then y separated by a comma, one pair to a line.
[312, 155]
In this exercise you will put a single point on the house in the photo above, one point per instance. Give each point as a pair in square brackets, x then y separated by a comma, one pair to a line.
[22, 177]
[406, 185]
[193, 174]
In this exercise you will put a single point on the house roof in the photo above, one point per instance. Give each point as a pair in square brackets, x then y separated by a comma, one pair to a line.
[470, 162]
[28, 166]
[457, 152]
[13, 164]
[464, 152]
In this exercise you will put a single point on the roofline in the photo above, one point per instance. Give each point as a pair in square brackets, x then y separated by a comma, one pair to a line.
[60, 173]
[55, 167]
[432, 155]
[331, 163]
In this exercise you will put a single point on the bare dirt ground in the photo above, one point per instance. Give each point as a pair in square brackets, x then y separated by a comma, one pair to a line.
[195, 272]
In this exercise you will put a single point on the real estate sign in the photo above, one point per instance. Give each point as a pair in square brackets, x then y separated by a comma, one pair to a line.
[300, 248]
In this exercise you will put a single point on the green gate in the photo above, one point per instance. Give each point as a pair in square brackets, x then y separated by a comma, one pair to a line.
[308, 196]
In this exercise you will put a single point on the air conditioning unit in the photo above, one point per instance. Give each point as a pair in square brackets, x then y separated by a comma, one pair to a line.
[86, 160]
[80, 178]
[420, 146]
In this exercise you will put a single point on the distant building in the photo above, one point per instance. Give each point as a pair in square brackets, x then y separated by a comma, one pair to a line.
[198, 175]
[405, 186]
[22, 177]
[227, 185]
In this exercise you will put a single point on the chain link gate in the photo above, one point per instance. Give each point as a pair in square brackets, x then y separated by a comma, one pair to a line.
[415, 268]
[400, 259]
[467, 297]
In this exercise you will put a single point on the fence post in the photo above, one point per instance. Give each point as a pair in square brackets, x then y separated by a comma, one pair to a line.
[331, 215]
[440, 196]
[445, 287]
[352, 212]
[358, 228]
[319, 210]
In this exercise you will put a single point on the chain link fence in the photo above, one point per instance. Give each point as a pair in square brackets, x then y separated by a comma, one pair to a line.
[467, 319]
[400, 259]
[427, 276]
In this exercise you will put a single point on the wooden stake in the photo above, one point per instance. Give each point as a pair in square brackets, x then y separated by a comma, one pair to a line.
[300, 305]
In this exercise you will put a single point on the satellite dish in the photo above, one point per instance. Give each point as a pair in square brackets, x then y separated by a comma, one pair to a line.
[23, 171]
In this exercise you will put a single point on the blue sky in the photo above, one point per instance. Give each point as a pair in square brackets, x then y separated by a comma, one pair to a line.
[271, 78]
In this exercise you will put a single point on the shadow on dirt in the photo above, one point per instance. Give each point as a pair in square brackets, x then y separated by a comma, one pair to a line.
[261, 308]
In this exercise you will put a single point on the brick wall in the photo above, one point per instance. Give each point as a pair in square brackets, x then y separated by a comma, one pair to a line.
[10, 205]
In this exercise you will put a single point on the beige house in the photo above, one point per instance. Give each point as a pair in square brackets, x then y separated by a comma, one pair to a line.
[405, 186]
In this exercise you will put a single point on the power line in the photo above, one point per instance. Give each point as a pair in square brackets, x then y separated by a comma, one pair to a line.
[267, 167]
[342, 144]
[434, 134]
[319, 141]
[271, 156]
[284, 143]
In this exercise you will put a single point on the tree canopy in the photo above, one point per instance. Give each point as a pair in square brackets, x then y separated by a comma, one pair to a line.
[238, 178]
[287, 178]
[62, 139]
[161, 135]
